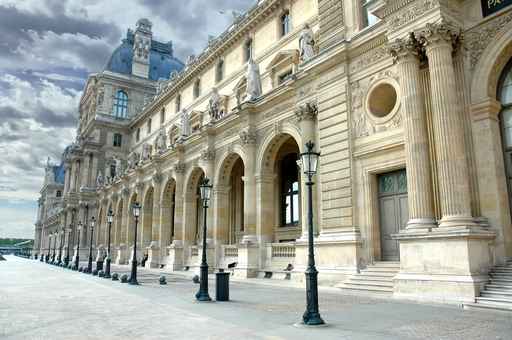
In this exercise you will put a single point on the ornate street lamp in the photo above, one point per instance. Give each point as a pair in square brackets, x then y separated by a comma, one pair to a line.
[110, 218]
[311, 315]
[89, 265]
[205, 190]
[61, 244]
[77, 258]
[136, 214]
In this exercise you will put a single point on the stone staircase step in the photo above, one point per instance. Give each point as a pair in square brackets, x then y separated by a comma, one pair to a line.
[388, 264]
[495, 300]
[382, 269]
[487, 307]
[389, 274]
[368, 288]
[497, 286]
[503, 282]
[370, 283]
[496, 294]
[372, 278]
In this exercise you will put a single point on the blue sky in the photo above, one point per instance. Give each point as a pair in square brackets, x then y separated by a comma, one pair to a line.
[47, 49]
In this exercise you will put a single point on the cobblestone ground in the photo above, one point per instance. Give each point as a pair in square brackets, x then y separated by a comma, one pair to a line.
[40, 301]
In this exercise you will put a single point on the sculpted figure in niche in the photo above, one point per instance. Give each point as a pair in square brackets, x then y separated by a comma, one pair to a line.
[99, 180]
[119, 166]
[146, 152]
[214, 107]
[161, 141]
[306, 44]
[185, 124]
[133, 160]
[253, 81]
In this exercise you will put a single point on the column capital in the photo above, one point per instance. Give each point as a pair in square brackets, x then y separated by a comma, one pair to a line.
[248, 136]
[486, 109]
[179, 168]
[405, 49]
[437, 34]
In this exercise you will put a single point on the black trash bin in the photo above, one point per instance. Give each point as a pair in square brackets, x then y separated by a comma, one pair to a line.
[222, 286]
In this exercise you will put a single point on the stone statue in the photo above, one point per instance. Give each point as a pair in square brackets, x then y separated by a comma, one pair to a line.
[185, 123]
[133, 160]
[161, 141]
[190, 60]
[214, 108]
[119, 166]
[306, 44]
[253, 81]
[146, 152]
[99, 180]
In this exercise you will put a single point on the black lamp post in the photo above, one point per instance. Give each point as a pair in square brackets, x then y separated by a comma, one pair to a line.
[110, 217]
[54, 247]
[311, 315]
[66, 259]
[136, 214]
[77, 258]
[89, 266]
[202, 295]
[61, 244]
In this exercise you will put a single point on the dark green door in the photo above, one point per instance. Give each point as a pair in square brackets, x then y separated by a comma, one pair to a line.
[393, 211]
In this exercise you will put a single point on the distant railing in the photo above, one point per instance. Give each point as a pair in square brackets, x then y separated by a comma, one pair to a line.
[231, 250]
[283, 250]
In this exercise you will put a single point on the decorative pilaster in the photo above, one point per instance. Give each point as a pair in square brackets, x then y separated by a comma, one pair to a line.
[419, 181]
[438, 40]
[248, 139]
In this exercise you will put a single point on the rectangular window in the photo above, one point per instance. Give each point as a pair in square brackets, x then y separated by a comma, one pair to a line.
[148, 126]
[137, 135]
[284, 77]
[367, 18]
[118, 139]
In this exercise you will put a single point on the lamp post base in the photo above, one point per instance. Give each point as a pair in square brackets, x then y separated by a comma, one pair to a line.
[89, 265]
[202, 294]
[107, 269]
[133, 276]
[311, 316]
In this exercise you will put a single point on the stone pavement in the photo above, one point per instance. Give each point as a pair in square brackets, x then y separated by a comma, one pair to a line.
[40, 301]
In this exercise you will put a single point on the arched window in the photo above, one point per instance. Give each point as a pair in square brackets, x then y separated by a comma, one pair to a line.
[59, 193]
[290, 203]
[121, 104]
[219, 71]
[162, 116]
[148, 126]
[285, 23]
[248, 50]
[505, 97]
[197, 88]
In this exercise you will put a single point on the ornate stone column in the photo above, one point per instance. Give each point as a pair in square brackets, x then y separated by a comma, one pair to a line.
[419, 181]
[438, 40]
[248, 139]
[154, 248]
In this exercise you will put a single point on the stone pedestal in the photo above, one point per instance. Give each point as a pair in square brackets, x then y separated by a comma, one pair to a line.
[100, 255]
[444, 266]
[140, 255]
[153, 252]
[121, 254]
[248, 255]
[174, 260]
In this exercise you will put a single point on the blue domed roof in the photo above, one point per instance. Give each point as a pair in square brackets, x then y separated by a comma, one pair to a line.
[161, 59]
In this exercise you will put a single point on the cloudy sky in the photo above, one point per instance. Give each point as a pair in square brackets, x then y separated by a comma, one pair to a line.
[47, 48]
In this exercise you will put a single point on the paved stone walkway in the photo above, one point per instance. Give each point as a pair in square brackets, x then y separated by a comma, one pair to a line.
[40, 301]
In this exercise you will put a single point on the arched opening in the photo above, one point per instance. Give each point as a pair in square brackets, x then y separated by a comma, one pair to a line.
[505, 97]
[100, 228]
[147, 218]
[229, 205]
[118, 228]
[280, 191]
[193, 215]
[168, 210]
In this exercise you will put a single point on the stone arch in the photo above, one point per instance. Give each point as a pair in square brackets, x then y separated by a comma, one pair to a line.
[227, 160]
[271, 144]
[167, 212]
[490, 66]
[276, 167]
[147, 217]
[100, 227]
[119, 221]
[193, 211]
[485, 111]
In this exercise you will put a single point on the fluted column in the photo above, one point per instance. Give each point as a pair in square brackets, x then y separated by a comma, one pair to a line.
[248, 140]
[453, 174]
[419, 181]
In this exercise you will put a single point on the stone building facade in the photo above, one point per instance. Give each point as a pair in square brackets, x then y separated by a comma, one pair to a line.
[407, 100]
